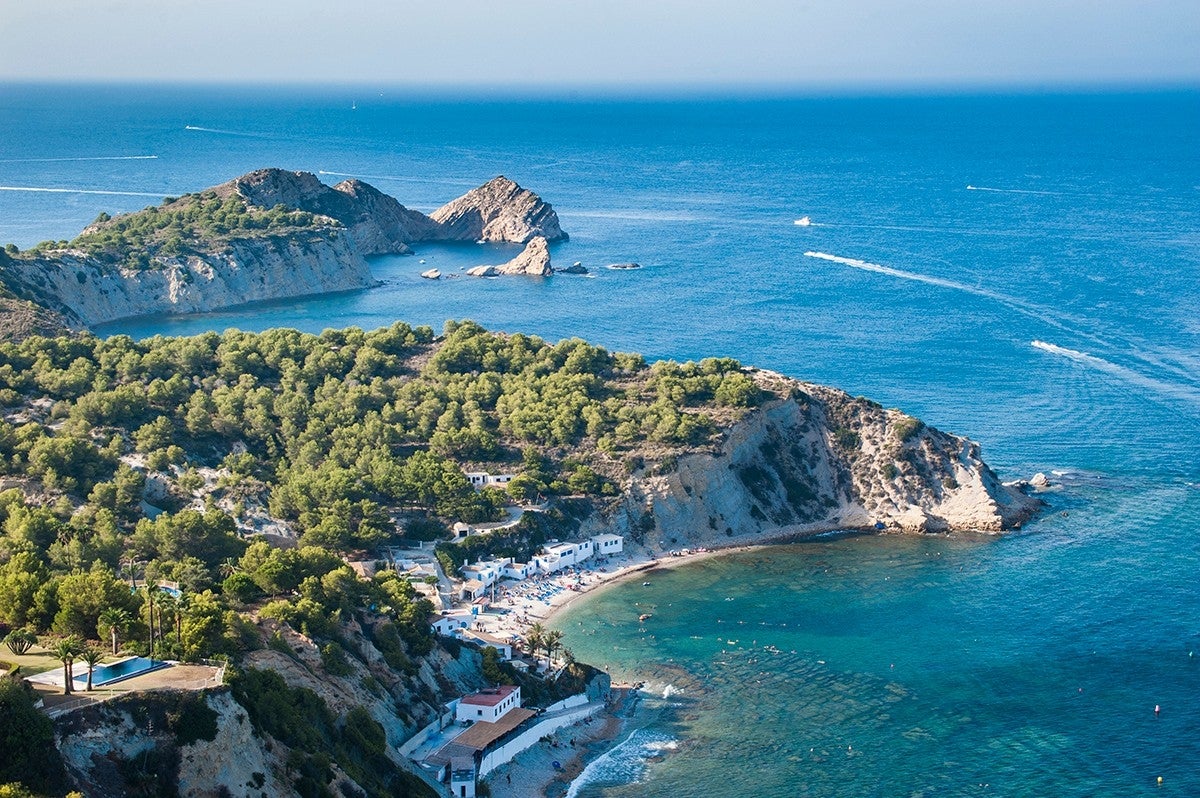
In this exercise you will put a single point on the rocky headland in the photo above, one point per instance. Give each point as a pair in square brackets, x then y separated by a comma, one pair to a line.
[269, 234]
[814, 459]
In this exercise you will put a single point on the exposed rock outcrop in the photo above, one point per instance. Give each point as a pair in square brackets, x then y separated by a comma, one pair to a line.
[482, 271]
[20, 318]
[534, 260]
[99, 743]
[574, 268]
[374, 221]
[820, 460]
[498, 211]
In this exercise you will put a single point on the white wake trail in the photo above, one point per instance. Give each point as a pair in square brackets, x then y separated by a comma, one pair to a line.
[914, 276]
[199, 129]
[83, 158]
[1017, 191]
[82, 191]
[1048, 317]
[1121, 372]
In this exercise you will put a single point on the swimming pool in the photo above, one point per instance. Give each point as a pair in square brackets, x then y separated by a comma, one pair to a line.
[116, 671]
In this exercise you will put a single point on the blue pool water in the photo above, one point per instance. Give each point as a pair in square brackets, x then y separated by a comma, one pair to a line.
[116, 671]
[1017, 269]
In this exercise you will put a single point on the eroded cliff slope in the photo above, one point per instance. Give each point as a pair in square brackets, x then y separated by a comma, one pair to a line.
[812, 459]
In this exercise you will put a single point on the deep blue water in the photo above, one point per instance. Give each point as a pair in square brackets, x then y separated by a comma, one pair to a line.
[966, 229]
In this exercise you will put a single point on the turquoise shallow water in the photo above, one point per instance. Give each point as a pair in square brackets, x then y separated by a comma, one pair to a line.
[961, 230]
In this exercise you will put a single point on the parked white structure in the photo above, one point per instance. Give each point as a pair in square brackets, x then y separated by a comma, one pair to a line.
[488, 705]
[481, 479]
[607, 544]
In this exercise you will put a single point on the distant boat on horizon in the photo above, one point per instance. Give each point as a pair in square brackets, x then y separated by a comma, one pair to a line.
[803, 221]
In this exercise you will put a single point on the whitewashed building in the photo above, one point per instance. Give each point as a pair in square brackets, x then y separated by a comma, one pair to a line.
[450, 623]
[608, 544]
[488, 705]
[481, 479]
[557, 556]
[517, 570]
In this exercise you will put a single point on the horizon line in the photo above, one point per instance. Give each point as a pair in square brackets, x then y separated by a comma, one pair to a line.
[648, 90]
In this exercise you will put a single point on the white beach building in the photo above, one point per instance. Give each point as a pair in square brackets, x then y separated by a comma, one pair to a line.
[607, 544]
[517, 570]
[488, 705]
[557, 556]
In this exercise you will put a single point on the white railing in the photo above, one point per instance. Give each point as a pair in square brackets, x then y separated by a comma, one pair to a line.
[80, 700]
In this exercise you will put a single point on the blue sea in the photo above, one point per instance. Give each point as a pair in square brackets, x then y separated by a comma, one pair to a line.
[1018, 269]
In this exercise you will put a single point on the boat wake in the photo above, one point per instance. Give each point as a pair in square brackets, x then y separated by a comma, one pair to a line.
[1187, 393]
[1018, 191]
[158, 195]
[198, 129]
[83, 158]
[1168, 389]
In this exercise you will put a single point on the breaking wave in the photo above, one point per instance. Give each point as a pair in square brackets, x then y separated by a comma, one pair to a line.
[625, 763]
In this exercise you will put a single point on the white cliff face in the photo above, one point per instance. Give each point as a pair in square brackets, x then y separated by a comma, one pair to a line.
[229, 764]
[249, 270]
[499, 210]
[817, 461]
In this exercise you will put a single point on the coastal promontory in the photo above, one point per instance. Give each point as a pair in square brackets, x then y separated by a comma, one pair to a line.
[269, 234]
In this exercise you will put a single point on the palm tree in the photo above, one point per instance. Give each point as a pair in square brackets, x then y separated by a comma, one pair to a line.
[91, 655]
[552, 642]
[117, 621]
[151, 589]
[228, 567]
[535, 638]
[168, 611]
[65, 651]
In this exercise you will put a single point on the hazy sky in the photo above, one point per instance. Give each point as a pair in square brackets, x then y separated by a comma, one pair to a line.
[646, 43]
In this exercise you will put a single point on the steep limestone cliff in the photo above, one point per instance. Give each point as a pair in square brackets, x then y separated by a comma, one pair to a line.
[814, 461]
[89, 290]
[499, 210]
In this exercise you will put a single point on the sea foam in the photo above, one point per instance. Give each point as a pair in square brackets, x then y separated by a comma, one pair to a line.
[625, 763]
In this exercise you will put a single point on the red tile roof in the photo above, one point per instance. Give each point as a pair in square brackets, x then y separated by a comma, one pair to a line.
[490, 697]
